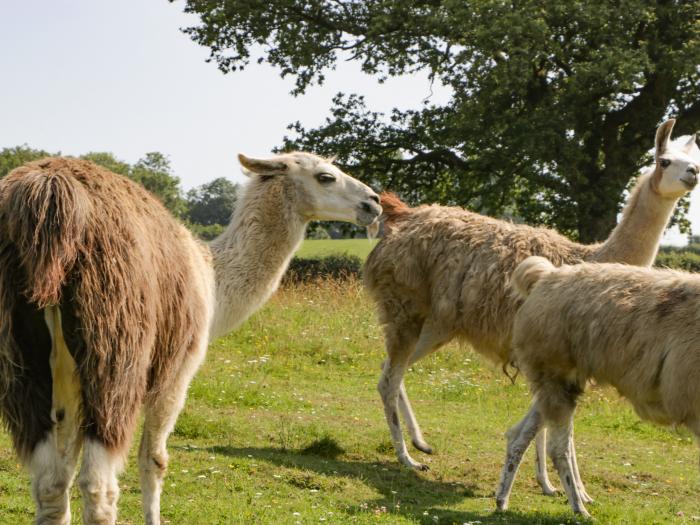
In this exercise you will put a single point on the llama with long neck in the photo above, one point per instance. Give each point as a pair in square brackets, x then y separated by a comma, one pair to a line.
[442, 273]
[107, 305]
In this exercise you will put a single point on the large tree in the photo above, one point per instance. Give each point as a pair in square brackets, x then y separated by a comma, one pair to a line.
[554, 104]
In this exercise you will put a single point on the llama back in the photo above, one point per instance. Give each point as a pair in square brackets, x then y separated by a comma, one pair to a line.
[456, 266]
[109, 252]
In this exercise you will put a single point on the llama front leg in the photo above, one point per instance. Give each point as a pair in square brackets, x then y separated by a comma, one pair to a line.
[52, 474]
[560, 451]
[98, 482]
[519, 438]
[541, 464]
[161, 414]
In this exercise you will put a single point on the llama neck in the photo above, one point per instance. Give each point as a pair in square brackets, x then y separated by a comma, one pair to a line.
[252, 254]
[635, 240]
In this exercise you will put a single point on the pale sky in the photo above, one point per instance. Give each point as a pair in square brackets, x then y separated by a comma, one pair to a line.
[98, 75]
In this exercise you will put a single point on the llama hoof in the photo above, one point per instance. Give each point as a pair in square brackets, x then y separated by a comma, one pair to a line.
[550, 491]
[423, 446]
[581, 511]
[501, 505]
[586, 498]
[411, 463]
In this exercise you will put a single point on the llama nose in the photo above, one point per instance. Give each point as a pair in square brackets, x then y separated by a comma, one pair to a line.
[693, 169]
[371, 206]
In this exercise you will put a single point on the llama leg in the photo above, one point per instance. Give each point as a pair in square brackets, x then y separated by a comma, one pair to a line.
[559, 448]
[52, 476]
[519, 438]
[577, 475]
[98, 482]
[399, 345]
[431, 339]
[161, 415]
[411, 422]
[541, 464]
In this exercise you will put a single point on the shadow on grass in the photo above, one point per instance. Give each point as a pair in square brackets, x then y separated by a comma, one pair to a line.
[419, 498]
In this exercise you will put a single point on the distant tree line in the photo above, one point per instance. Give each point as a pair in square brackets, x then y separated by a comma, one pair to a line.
[205, 209]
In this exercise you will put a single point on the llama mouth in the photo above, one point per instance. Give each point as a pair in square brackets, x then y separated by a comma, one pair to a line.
[368, 213]
[366, 219]
[690, 183]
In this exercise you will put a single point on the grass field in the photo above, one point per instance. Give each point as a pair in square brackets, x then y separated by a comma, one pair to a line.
[314, 248]
[283, 425]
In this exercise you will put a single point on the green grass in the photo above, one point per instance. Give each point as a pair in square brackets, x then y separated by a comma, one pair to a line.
[283, 425]
[321, 248]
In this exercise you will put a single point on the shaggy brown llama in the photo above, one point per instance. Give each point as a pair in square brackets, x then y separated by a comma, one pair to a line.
[107, 304]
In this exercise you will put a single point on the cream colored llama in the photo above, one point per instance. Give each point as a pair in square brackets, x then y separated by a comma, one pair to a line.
[633, 328]
[107, 304]
[442, 273]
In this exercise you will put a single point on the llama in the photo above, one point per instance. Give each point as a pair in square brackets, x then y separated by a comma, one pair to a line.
[633, 328]
[443, 272]
[107, 304]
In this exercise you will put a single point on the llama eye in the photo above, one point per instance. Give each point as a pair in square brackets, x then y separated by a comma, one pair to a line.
[325, 178]
[665, 163]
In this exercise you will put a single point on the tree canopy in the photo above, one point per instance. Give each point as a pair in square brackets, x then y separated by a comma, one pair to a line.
[554, 104]
[212, 203]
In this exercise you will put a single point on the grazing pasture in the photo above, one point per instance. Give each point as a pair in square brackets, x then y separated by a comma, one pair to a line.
[325, 247]
[283, 425]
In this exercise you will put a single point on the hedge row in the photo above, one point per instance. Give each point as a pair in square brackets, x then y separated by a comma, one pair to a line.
[345, 266]
[340, 267]
[679, 260]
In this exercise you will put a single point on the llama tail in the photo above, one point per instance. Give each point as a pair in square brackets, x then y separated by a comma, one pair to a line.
[394, 209]
[46, 215]
[529, 272]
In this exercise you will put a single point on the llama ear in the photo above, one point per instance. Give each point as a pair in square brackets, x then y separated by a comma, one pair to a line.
[690, 146]
[663, 134]
[262, 167]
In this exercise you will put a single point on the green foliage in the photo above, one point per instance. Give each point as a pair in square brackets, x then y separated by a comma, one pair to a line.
[554, 104]
[109, 161]
[206, 233]
[341, 267]
[11, 158]
[317, 232]
[679, 260]
[155, 174]
[212, 203]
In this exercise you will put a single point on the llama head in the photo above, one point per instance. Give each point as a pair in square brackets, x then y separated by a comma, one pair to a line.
[677, 165]
[322, 191]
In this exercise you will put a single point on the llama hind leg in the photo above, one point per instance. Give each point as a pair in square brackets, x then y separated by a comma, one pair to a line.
[161, 414]
[431, 338]
[399, 345]
[560, 450]
[541, 464]
[98, 482]
[577, 475]
[519, 438]
[52, 476]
